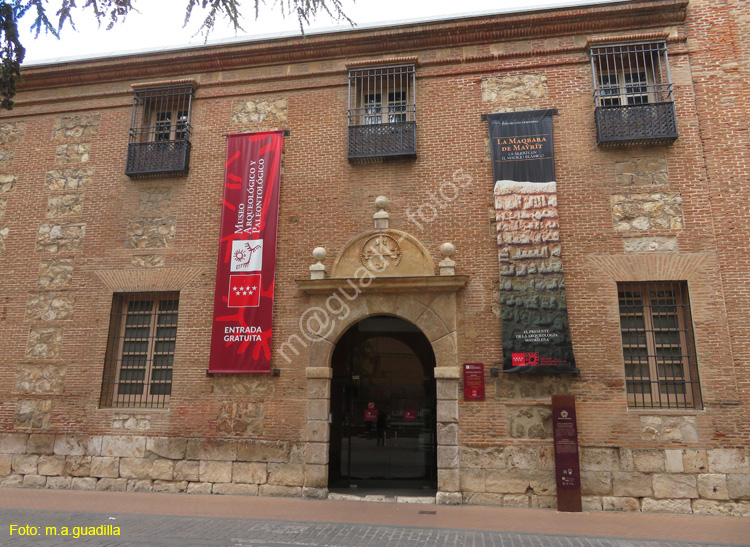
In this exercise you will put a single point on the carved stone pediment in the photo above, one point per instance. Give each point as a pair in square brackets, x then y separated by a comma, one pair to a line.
[384, 253]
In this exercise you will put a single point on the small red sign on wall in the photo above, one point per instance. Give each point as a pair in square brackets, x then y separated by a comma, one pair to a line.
[410, 415]
[473, 382]
[371, 414]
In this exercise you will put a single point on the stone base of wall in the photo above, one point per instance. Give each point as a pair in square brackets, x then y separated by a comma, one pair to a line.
[709, 482]
[159, 464]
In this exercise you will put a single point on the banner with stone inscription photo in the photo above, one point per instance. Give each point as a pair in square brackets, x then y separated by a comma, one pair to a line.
[243, 303]
[536, 336]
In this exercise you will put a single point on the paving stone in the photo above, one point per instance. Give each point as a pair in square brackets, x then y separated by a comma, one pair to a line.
[177, 530]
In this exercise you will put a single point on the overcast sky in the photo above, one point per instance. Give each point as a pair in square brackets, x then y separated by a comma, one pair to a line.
[159, 24]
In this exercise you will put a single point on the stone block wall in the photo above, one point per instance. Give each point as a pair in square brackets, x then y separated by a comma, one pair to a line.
[642, 171]
[647, 211]
[253, 111]
[137, 463]
[50, 308]
[700, 481]
[10, 132]
[76, 127]
[517, 88]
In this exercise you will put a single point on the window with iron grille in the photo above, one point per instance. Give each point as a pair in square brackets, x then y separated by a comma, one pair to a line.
[633, 94]
[160, 132]
[382, 112]
[658, 346]
[140, 350]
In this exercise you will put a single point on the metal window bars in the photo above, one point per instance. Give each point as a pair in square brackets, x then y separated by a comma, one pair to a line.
[382, 112]
[633, 94]
[626, 74]
[160, 132]
[658, 346]
[140, 350]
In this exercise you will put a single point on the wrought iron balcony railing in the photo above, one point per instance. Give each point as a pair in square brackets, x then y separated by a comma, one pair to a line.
[160, 131]
[382, 140]
[162, 158]
[653, 123]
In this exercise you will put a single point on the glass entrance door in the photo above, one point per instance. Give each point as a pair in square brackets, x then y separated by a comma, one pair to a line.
[383, 407]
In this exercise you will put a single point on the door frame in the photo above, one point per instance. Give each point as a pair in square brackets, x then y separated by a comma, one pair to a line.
[429, 302]
[418, 345]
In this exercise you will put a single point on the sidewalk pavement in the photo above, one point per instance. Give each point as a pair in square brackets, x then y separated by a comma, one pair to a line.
[643, 526]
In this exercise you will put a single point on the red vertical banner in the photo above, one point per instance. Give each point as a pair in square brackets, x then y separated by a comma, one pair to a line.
[243, 304]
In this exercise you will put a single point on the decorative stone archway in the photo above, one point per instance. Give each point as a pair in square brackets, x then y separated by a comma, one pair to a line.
[383, 272]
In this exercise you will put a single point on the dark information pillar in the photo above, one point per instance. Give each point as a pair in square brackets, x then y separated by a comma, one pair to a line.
[567, 469]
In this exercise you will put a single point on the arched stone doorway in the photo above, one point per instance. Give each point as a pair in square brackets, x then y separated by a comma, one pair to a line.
[383, 407]
[383, 272]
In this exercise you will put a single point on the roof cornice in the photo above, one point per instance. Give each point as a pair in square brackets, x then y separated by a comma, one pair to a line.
[383, 41]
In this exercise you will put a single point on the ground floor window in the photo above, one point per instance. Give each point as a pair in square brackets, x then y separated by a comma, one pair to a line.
[140, 350]
[658, 345]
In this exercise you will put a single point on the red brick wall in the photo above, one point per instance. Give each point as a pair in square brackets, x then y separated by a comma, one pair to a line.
[325, 200]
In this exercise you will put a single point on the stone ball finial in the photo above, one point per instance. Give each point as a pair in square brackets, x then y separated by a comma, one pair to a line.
[381, 218]
[319, 253]
[447, 266]
[447, 249]
[318, 270]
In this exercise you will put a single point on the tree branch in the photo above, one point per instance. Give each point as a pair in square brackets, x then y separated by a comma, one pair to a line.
[115, 11]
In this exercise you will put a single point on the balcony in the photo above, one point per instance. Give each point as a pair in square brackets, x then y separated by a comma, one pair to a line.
[162, 158]
[638, 124]
[160, 131]
[382, 116]
[633, 93]
[382, 140]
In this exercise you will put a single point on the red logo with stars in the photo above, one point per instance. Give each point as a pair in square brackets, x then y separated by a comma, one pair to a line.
[244, 291]
[525, 359]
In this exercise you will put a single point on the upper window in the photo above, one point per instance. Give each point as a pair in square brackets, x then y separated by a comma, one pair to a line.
[382, 112]
[160, 131]
[622, 88]
[392, 110]
[657, 345]
[171, 125]
[140, 350]
[633, 94]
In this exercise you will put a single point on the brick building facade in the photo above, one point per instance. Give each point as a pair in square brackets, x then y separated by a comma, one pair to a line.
[648, 221]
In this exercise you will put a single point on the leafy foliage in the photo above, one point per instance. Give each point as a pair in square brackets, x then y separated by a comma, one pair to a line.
[112, 12]
[11, 55]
